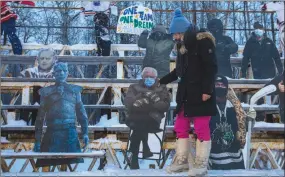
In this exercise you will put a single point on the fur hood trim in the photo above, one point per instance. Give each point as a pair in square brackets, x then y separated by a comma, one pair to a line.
[208, 35]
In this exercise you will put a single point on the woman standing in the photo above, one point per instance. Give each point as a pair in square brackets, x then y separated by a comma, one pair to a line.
[195, 69]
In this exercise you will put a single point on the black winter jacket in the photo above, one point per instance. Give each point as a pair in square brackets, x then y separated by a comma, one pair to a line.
[147, 117]
[263, 56]
[225, 46]
[199, 70]
[157, 53]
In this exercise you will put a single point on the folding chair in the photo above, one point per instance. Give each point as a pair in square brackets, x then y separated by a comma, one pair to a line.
[155, 141]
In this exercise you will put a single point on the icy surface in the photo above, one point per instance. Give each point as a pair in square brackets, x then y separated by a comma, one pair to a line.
[116, 172]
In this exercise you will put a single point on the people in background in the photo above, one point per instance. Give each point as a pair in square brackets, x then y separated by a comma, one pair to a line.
[8, 28]
[158, 46]
[146, 104]
[45, 61]
[195, 70]
[263, 55]
[225, 46]
[60, 109]
[102, 35]
[226, 151]
[103, 42]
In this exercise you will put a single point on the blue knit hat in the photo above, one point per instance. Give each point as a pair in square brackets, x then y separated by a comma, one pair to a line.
[179, 23]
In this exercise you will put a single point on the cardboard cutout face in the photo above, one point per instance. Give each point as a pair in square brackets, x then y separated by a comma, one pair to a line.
[46, 60]
[60, 72]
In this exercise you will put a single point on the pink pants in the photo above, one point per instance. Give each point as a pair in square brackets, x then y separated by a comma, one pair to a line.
[201, 126]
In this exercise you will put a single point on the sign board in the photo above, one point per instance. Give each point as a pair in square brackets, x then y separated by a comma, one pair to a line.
[134, 20]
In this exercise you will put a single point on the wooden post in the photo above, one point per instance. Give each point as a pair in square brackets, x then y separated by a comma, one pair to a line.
[120, 69]
[26, 96]
[117, 90]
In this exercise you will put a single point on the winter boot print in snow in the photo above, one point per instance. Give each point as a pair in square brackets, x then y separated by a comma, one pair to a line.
[202, 158]
[180, 159]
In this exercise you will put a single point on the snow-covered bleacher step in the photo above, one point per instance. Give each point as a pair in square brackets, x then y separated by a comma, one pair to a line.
[258, 127]
[119, 172]
[30, 154]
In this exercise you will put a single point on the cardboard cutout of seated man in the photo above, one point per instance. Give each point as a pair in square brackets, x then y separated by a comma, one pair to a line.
[60, 106]
[146, 103]
[228, 129]
[46, 59]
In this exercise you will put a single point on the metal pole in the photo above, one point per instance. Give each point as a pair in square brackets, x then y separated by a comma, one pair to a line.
[272, 28]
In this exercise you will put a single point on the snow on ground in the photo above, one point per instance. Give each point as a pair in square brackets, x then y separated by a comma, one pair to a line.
[173, 103]
[262, 105]
[15, 123]
[113, 122]
[155, 172]
[104, 140]
[271, 125]
[4, 140]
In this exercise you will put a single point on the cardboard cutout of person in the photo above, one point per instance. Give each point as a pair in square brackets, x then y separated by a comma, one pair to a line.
[46, 59]
[146, 103]
[60, 107]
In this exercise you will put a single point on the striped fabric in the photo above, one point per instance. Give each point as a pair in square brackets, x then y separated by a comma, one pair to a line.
[7, 13]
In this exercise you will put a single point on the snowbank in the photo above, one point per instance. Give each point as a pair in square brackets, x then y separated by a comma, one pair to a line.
[104, 140]
[4, 140]
[113, 122]
[115, 172]
[271, 125]
[15, 123]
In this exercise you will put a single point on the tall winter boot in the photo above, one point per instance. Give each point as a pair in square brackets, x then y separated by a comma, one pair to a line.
[191, 156]
[202, 158]
[180, 160]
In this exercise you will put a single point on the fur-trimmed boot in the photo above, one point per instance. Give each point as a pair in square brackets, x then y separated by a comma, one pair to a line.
[180, 159]
[202, 158]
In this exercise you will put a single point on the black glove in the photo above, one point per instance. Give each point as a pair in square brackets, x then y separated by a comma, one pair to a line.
[140, 102]
[152, 96]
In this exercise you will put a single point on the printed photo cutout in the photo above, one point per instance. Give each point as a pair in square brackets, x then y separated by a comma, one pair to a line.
[155, 142]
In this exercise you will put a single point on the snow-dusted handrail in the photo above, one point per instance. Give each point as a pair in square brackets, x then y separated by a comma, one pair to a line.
[93, 83]
[29, 154]
[259, 127]
[76, 47]
[86, 47]
[89, 60]
[263, 107]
